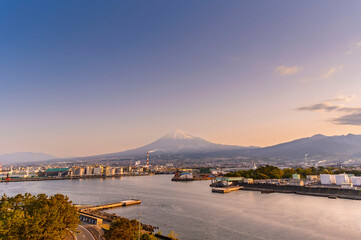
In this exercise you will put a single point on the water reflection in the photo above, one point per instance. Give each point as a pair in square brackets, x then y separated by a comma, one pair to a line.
[191, 210]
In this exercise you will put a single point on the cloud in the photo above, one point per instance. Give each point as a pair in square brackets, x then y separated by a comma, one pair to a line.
[353, 116]
[354, 48]
[326, 107]
[351, 119]
[318, 107]
[331, 71]
[284, 70]
[342, 98]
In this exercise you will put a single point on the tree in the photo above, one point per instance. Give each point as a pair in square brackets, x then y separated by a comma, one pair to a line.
[173, 235]
[122, 228]
[145, 237]
[148, 237]
[37, 217]
[276, 173]
[288, 172]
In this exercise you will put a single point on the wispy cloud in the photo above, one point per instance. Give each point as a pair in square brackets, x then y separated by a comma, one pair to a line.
[331, 71]
[354, 48]
[327, 107]
[351, 119]
[353, 116]
[285, 70]
[342, 98]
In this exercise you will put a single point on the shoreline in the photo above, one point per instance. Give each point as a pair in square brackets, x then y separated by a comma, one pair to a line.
[73, 177]
[332, 193]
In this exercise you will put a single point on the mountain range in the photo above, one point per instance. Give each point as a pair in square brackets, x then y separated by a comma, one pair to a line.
[318, 147]
[175, 142]
[24, 157]
[180, 144]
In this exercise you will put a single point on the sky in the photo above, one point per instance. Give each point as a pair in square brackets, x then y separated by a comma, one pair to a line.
[79, 78]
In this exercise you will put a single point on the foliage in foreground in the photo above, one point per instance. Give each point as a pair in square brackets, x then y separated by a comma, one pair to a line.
[37, 217]
[124, 229]
[148, 237]
[173, 235]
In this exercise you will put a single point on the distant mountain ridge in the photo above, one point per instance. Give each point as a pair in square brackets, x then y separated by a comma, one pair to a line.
[318, 147]
[23, 157]
[181, 144]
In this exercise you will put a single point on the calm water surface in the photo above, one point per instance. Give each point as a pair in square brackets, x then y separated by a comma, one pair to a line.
[192, 211]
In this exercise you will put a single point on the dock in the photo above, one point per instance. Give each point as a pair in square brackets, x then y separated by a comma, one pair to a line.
[226, 190]
[114, 205]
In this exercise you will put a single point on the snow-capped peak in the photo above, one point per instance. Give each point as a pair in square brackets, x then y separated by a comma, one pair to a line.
[177, 134]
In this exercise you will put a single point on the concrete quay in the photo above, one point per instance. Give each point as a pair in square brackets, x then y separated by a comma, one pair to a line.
[226, 190]
[329, 192]
[112, 205]
[67, 177]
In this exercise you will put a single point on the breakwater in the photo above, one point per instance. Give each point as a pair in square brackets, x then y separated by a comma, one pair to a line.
[319, 191]
[225, 190]
[113, 205]
[177, 179]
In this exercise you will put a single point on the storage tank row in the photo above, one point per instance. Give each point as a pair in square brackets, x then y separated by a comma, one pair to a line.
[329, 179]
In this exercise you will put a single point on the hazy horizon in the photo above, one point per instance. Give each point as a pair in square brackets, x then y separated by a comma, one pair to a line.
[87, 77]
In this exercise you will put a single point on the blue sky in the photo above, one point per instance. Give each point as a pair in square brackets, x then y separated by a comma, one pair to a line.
[89, 77]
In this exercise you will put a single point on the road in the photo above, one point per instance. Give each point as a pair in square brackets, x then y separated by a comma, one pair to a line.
[83, 234]
[96, 231]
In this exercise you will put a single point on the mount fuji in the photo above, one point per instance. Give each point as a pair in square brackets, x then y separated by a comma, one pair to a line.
[176, 142]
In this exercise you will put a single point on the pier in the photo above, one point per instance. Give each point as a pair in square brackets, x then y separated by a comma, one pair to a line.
[226, 190]
[112, 205]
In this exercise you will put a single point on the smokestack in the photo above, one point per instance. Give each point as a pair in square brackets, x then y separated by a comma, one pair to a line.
[147, 159]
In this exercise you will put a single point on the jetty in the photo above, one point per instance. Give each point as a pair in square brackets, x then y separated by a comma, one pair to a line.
[112, 205]
[226, 190]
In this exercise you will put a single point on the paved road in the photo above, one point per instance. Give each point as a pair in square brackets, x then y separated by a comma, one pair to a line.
[83, 234]
[96, 231]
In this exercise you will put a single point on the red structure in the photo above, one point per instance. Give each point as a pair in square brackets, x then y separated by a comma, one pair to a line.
[147, 159]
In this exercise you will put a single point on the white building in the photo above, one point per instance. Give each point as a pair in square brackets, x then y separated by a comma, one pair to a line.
[328, 179]
[97, 170]
[89, 170]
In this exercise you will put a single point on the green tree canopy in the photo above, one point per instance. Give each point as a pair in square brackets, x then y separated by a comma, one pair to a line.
[124, 229]
[272, 172]
[37, 217]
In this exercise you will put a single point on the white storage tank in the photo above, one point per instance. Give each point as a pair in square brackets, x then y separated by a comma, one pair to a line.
[327, 179]
[342, 178]
[356, 181]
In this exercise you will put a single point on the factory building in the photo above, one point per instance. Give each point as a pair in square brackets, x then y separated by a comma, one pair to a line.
[56, 172]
